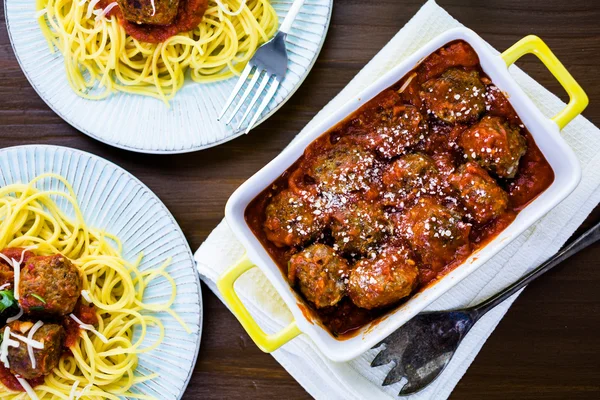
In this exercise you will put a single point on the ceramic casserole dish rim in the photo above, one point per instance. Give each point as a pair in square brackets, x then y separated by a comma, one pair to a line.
[546, 133]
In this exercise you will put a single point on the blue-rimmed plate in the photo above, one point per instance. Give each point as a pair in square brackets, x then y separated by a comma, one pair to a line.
[144, 124]
[113, 200]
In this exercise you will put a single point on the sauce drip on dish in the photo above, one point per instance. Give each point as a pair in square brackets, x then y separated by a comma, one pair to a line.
[401, 192]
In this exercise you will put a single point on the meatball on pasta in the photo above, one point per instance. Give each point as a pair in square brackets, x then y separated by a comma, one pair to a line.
[46, 359]
[49, 284]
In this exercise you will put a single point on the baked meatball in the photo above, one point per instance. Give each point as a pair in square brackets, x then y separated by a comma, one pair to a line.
[320, 273]
[434, 232]
[6, 271]
[457, 96]
[293, 219]
[410, 176]
[388, 127]
[344, 169]
[358, 227]
[46, 359]
[495, 145]
[479, 193]
[383, 280]
[49, 284]
[152, 12]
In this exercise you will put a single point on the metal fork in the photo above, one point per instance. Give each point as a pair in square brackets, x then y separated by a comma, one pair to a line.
[423, 347]
[269, 61]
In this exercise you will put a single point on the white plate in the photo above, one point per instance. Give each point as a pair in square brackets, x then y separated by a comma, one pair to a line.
[112, 199]
[144, 124]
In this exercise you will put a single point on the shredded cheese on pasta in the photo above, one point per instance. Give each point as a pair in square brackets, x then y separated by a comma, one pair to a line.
[30, 334]
[106, 367]
[30, 392]
[101, 59]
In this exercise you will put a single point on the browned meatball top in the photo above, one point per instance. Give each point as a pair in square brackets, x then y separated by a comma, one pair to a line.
[49, 284]
[495, 145]
[482, 197]
[163, 12]
[434, 232]
[358, 227]
[391, 129]
[321, 274]
[457, 96]
[345, 169]
[50, 335]
[410, 176]
[383, 280]
[293, 219]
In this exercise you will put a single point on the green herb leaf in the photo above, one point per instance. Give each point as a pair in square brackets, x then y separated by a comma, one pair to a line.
[7, 299]
[36, 308]
[37, 296]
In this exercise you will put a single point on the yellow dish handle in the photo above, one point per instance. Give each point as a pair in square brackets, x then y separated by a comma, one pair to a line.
[578, 100]
[265, 342]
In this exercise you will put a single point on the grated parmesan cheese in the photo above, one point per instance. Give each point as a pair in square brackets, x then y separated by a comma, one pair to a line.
[28, 389]
[16, 317]
[225, 8]
[104, 13]
[6, 343]
[32, 331]
[86, 295]
[29, 342]
[17, 268]
[89, 327]
[73, 390]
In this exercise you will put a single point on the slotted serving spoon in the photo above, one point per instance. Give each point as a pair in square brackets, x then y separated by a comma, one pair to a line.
[423, 347]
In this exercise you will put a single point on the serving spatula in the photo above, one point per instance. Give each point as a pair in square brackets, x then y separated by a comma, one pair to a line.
[424, 346]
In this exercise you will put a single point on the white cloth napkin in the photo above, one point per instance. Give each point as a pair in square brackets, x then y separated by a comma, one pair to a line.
[324, 379]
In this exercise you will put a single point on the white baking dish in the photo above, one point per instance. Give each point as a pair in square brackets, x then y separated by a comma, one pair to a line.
[545, 131]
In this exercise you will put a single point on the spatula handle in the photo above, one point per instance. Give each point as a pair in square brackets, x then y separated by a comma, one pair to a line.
[583, 241]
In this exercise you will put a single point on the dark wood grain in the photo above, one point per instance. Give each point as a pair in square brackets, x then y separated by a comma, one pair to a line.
[546, 347]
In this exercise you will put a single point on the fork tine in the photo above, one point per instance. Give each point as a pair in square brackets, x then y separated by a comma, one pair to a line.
[259, 91]
[264, 104]
[383, 358]
[236, 89]
[395, 375]
[248, 90]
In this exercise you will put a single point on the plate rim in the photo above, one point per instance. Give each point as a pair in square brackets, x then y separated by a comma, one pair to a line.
[169, 214]
[192, 149]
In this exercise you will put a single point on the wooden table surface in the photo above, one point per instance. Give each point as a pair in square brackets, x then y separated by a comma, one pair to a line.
[547, 345]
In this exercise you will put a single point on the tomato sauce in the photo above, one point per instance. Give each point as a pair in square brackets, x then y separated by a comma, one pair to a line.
[11, 383]
[534, 175]
[87, 315]
[189, 16]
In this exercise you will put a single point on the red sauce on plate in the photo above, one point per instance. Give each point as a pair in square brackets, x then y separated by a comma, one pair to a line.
[11, 383]
[188, 17]
[87, 315]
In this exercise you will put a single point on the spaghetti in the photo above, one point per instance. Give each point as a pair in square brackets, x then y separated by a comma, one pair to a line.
[102, 359]
[101, 58]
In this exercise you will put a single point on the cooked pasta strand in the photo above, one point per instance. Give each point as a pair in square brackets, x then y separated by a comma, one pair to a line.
[116, 286]
[101, 59]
